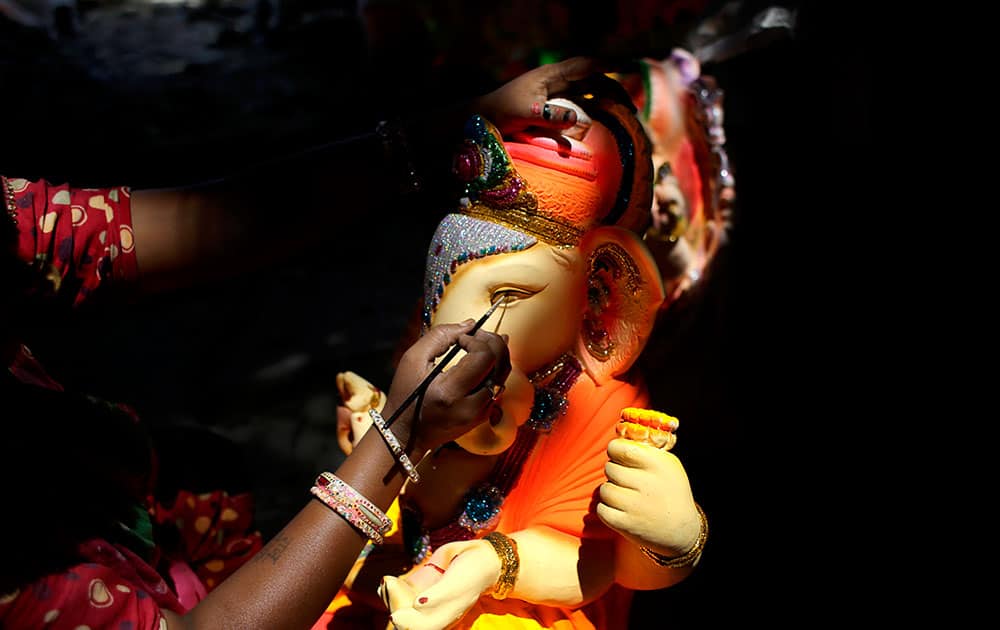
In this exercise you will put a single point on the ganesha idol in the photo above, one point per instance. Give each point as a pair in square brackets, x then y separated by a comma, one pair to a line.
[503, 529]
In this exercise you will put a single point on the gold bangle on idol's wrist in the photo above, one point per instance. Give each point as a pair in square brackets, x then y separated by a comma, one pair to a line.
[510, 563]
[688, 558]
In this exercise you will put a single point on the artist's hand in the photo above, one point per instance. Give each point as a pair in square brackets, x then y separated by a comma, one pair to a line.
[647, 498]
[521, 102]
[455, 401]
[439, 592]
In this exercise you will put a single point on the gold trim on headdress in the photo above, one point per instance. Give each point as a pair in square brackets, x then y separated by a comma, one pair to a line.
[530, 222]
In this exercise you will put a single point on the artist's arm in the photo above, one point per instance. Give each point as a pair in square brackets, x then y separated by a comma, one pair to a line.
[295, 576]
[248, 220]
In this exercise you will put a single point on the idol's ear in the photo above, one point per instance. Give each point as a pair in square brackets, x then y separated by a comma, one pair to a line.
[624, 292]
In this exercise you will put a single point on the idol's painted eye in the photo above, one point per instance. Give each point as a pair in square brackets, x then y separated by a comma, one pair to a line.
[510, 294]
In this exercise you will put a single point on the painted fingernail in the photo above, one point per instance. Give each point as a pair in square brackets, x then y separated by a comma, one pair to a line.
[536, 108]
[547, 112]
[422, 600]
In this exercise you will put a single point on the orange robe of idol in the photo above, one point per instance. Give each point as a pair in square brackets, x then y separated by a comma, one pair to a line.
[557, 488]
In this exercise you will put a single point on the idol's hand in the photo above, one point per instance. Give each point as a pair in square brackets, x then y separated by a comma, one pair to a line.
[438, 593]
[647, 498]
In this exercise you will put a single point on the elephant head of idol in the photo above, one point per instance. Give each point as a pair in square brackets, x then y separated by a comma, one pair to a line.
[550, 226]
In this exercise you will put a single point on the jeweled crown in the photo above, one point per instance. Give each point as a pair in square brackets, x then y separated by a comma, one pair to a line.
[555, 188]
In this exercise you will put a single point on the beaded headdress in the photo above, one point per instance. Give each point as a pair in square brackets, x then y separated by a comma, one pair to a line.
[557, 187]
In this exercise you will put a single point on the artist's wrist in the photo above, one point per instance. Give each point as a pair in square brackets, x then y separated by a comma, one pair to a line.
[404, 429]
[417, 449]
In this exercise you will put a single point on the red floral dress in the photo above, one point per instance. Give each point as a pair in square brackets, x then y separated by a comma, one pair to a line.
[81, 241]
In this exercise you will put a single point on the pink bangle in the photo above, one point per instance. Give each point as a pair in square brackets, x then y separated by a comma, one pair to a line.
[341, 489]
[352, 507]
[351, 515]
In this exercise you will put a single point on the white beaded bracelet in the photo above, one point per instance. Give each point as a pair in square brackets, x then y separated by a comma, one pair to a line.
[394, 446]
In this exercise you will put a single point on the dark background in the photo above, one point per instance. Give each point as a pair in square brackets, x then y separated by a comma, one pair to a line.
[240, 378]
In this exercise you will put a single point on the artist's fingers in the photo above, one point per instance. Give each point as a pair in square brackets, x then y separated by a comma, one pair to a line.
[498, 346]
[418, 361]
[486, 353]
[456, 400]
[439, 339]
[557, 77]
[553, 79]
[493, 385]
[551, 116]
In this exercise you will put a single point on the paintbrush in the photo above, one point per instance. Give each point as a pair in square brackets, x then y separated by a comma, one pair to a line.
[440, 366]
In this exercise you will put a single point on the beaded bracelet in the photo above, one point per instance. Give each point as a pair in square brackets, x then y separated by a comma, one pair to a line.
[688, 558]
[394, 445]
[341, 490]
[510, 563]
